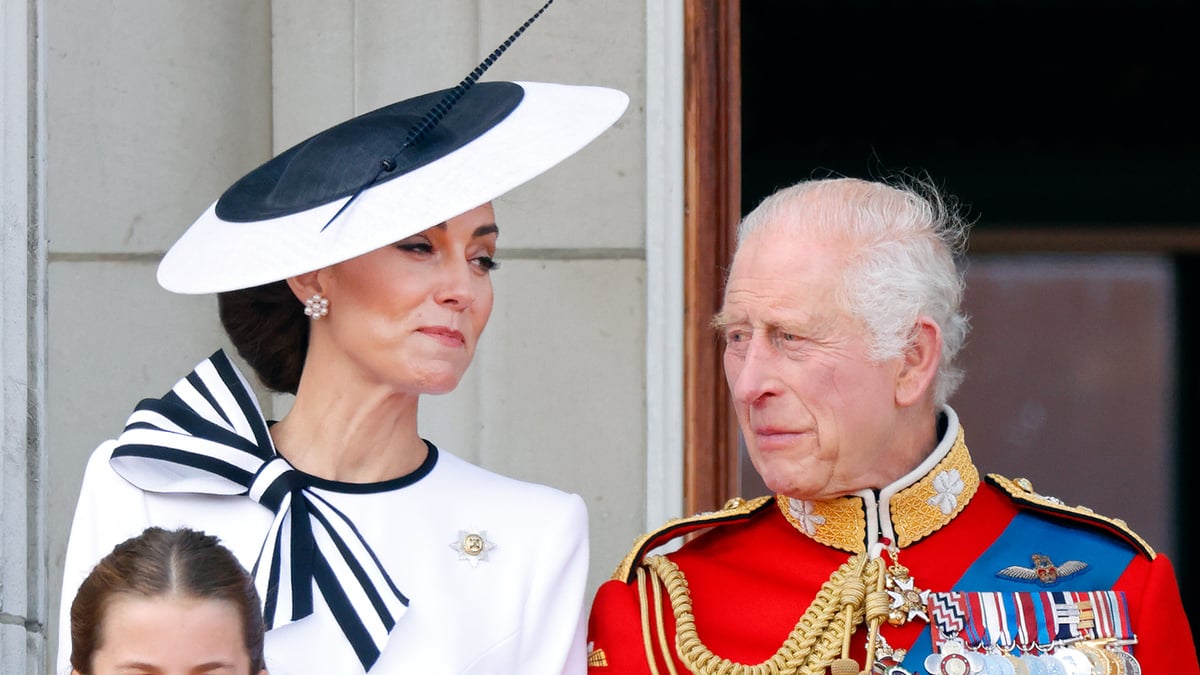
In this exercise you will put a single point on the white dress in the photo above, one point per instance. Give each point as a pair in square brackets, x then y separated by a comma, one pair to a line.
[514, 608]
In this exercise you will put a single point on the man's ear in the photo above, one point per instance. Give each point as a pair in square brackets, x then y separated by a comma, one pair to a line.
[920, 362]
[306, 285]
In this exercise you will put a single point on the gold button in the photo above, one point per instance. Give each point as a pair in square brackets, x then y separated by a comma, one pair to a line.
[472, 544]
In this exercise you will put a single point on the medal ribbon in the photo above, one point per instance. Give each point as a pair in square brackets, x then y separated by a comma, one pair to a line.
[1087, 613]
[1066, 616]
[1103, 616]
[1123, 630]
[947, 612]
[1027, 619]
[1111, 614]
[995, 628]
[1044, 607]
[1008, 605]
[975, 629]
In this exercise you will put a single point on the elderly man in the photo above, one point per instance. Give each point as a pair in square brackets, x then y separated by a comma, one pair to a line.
[883, 550]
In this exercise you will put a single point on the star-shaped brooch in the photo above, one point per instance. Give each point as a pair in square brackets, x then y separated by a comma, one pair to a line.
[473, 546]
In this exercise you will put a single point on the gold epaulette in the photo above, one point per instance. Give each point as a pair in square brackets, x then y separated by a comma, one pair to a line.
[1021, 492]
[735, 510]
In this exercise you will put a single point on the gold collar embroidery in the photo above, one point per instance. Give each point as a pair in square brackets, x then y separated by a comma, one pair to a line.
[915, 511]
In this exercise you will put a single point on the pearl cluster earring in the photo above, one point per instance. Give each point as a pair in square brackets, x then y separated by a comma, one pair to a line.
[316, 306]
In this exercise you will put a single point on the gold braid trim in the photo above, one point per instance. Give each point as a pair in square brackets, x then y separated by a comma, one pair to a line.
[812, 645]
[643, 605]
[735, 510]
[662, 630]
[1021, 491]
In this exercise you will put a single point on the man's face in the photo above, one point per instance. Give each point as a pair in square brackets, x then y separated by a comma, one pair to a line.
[814, 410]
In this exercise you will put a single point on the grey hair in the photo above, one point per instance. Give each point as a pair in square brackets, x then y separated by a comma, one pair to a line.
[906, 239]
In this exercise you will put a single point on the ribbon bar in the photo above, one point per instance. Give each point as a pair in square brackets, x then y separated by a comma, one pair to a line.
[1027, 621]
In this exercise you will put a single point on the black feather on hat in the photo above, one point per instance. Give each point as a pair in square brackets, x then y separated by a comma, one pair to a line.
[385, 175]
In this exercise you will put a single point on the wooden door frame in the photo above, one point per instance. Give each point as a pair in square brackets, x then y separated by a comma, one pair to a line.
[712, 208]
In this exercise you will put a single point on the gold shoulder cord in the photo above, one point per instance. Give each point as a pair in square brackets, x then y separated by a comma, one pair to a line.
[811, 647]
[662, 633]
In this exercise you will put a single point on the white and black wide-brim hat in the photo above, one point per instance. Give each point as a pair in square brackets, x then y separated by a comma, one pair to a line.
[367, 183]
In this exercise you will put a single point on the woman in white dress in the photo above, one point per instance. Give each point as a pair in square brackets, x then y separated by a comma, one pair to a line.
[353, 271]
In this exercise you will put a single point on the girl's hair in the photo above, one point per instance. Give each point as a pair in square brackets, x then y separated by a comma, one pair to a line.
[158, 563]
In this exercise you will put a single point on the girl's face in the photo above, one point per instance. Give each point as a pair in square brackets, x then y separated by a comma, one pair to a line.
[170, 635]
[409, 315]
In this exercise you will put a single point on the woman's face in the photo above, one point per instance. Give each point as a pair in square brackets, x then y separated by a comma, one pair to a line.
[410, 315]
[170, 635]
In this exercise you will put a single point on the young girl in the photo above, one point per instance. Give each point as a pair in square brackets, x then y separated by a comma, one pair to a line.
[167, 602]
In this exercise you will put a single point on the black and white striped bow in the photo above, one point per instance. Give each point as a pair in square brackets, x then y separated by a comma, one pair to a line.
[208, 436]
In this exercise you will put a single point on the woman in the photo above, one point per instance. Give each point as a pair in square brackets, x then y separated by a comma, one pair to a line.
[353, 270]
[172, 602]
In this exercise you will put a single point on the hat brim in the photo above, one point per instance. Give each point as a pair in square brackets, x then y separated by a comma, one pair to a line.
[551, 122]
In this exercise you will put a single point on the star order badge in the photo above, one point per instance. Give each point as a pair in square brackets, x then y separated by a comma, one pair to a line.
[473, 546]
[907, 601]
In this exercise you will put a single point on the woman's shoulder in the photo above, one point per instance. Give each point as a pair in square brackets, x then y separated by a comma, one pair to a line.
[498, 488]
[98, 468]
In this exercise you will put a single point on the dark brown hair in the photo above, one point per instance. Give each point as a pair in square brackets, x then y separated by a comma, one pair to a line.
[267, 326]
[162, 562]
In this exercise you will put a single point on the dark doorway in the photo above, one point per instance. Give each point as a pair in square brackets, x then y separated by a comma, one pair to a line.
[1034, 113]
[1068, 131]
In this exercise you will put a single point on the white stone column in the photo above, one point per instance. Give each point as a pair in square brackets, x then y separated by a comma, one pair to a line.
[22, 351]
[664, 261]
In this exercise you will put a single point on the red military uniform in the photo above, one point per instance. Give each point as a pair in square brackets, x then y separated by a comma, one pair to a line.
[744, 584]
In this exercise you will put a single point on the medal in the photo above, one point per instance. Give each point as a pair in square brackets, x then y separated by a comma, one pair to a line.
[1101, 663]
[1035, 664]
[888, 660]
[1125, 661]
[995, 664]
[907, 601]
[1075, 661]
[954, 659]
[1052, 665]
[1018, 665]
[1055, 632]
